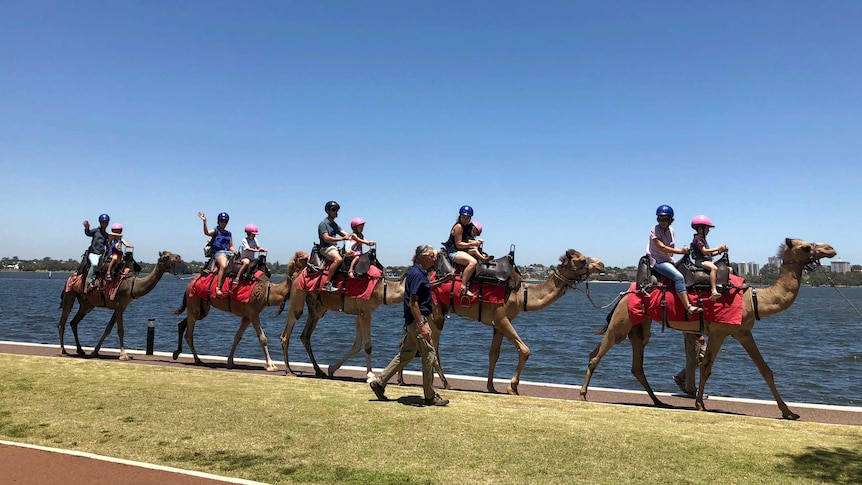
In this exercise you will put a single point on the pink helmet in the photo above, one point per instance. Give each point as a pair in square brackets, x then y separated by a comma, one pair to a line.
[478, 227]
[117, 227]
[356, 221]
[251, 228]
[701, 220]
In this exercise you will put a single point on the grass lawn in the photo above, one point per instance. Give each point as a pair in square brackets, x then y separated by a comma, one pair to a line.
[282, 429]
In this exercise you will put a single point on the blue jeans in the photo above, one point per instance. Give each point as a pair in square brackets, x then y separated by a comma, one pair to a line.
[94, 264]
[669, 270]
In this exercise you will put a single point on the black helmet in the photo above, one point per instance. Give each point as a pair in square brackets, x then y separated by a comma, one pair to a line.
[331, 205]
[222, 216]
[664, 210]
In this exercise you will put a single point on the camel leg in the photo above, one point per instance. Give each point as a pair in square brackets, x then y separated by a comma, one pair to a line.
[437, 322]
[750, 346]
[639, 337]
[493, 357]
[243, 324]
[108, 329]
[190, 339]
[264, 343]
[713, 345]
[615, 333]
[504, 325]
[294, 312]
[181, 329]
[84, 307]
[314, 316]
[121, 333]
[67, 302]
[362, 340]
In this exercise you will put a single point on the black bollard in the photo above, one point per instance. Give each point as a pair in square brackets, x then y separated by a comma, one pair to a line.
[151, 335]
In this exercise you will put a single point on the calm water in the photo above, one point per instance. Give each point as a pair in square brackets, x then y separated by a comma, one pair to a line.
[811, 347]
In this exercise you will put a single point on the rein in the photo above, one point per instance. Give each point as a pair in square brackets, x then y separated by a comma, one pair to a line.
[568, 282]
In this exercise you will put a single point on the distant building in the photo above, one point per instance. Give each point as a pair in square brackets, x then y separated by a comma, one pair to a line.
[775, 261]
[840, 266]
[745, 269]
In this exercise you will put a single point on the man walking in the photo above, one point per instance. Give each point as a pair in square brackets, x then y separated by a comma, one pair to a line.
[417, 307]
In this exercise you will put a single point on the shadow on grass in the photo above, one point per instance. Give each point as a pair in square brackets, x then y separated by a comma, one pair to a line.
[231, 462]
[827, 465]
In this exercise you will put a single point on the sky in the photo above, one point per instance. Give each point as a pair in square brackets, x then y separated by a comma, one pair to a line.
[563, 124]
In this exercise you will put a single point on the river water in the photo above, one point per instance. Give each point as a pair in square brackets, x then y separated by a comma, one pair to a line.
[811, 347]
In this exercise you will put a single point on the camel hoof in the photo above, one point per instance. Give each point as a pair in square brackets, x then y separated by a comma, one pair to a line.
[330, 371]
[125, 357]
[63, 351]
[447, 386]
[81, 353]
[791, 416]
[176, 354]
[512, 390]
[582, 397]
[699, 406]
[230, 364]
[271, 368]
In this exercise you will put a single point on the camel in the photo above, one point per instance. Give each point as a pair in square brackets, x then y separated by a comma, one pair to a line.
[797, 255]
[573, 268]
[264, 294]
[318, 302]
[130, 289]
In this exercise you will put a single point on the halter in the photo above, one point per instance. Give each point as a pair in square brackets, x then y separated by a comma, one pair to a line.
[571, 283]
[810, 263]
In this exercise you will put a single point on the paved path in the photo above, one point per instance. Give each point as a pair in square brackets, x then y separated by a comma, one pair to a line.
[34, 465]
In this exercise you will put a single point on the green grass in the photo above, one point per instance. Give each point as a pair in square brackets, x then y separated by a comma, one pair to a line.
[282, 429]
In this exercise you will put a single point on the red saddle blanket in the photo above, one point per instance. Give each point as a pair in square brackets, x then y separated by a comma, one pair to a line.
[491, 293]
[75, 284]
[727, 309]
[361, 288]
[205, 287]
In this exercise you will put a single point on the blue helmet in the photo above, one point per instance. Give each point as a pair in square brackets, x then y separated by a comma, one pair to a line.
[222, 216]
[104, 218]
[664, 210]
[465, 210]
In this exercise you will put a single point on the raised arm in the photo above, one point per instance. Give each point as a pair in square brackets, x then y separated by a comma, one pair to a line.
[204, 218]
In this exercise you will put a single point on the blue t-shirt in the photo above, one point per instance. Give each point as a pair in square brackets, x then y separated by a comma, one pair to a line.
[221, 239]
[416, 283]
[328, 227]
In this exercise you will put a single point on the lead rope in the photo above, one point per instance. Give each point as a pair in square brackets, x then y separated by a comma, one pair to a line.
[842, 296]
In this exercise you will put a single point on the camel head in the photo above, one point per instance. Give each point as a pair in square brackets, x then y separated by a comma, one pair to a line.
[297, 263]
[797, 251]
[576, 267]
[169, 260]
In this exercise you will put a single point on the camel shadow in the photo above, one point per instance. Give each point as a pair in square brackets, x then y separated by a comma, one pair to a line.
[827, 465]
[414, 401]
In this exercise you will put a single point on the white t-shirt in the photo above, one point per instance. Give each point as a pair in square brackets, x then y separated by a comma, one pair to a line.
[247, 246]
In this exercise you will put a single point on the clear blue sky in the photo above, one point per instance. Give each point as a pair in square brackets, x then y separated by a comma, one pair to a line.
[564, 124]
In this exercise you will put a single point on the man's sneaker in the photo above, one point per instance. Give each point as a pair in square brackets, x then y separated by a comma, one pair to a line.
[379, 390]
[328, 286]
[436, 401]
[680, 384]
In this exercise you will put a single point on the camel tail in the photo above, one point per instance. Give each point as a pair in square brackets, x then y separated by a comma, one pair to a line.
[62, 295]
[182, 307]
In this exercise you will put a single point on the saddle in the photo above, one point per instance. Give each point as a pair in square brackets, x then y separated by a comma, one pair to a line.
[696, 277]
[233, 266]
[317, 263]
[496, 271]
[102, 268]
